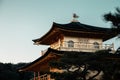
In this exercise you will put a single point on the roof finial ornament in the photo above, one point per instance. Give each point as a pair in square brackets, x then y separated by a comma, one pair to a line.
[75, 16]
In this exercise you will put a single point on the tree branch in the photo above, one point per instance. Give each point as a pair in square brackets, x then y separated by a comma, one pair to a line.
[91, 78]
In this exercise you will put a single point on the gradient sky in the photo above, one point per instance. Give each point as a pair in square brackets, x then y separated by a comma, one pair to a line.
[21, 21]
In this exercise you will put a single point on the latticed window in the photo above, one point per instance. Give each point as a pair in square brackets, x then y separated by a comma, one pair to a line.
[70, 43]
[96, 45]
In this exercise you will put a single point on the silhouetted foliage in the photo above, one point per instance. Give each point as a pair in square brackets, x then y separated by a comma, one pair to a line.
[114, 18]
[9, 71]
[78, 66]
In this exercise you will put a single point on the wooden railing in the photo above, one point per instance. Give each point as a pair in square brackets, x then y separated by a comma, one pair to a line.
[88, 47]
[42, 77]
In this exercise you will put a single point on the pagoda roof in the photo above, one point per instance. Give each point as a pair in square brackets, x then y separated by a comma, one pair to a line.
[77, 26]
[42, 63]
[75, 29]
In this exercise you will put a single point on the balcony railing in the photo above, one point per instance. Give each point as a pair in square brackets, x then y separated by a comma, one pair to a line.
[42, 77]
[86, 47]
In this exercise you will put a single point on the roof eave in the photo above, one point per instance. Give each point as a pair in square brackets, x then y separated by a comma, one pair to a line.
[38, 61]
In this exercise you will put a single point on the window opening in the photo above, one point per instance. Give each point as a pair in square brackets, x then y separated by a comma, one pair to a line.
[70, 43]
[96, 45]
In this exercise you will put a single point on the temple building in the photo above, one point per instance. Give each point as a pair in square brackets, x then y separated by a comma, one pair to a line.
[74, 36]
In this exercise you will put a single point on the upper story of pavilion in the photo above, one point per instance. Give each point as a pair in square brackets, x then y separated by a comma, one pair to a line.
[76, 36]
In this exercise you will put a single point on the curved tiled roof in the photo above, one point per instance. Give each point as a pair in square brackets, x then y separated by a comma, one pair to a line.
[75, 29]
[79, 26]
[30, 66]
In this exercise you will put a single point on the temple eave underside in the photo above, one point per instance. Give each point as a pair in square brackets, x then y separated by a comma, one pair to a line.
[43, 64]
[51, 38]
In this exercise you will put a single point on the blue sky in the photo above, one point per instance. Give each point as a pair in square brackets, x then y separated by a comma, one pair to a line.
[24, 20]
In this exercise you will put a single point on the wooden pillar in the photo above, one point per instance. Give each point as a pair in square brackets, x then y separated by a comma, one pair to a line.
[113, 46]
[34, 75]
[38, 75]
[48, 76]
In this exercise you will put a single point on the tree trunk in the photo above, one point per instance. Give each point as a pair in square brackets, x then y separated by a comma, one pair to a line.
[91, 78]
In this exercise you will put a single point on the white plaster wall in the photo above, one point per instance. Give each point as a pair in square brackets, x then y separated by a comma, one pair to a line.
[88, 41]
[79, 43]
[78, 39]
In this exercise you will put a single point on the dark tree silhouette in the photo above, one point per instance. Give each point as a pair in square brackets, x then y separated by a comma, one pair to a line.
[78, 66]
[114, 18]
[9, 71]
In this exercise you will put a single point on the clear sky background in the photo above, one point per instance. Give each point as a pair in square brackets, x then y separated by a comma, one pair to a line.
[21, 21]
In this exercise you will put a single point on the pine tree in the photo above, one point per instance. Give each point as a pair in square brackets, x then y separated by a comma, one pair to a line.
[78, 66]
[114, 18]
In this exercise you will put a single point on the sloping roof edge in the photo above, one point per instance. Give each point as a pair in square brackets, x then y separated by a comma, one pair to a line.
[35, 40]
[56, 52]
[75, 26]
[40, 58]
